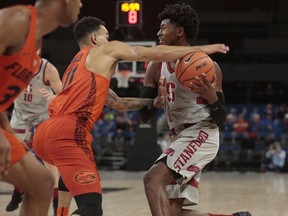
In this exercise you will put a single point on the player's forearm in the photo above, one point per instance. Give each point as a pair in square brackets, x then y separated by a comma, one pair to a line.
[126, 104]
[172, 53]
[4, 122]
[218, 111]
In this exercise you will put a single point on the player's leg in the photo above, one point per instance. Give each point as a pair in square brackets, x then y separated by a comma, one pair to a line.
[81, 177]
[155, 181]
[30, 175]
[37, 183]
[64, 199]
[21, 130]
[55, 173]
[186, 212]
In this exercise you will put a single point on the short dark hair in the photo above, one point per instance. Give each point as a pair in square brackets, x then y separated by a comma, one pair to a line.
[183, 15]
[85, 26]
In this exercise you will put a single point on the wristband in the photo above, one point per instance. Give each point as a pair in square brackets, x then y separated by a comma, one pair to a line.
[151, 106]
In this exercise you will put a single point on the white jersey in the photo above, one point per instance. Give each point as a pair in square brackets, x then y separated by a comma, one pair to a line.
[30, 107]
[30, 102]
[192, 147]
[183, 106]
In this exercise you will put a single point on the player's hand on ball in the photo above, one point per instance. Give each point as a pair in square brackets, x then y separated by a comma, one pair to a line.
[205, 89]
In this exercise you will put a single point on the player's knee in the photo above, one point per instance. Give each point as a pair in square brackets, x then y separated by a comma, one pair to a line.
[89, 205]
[47, 184]
[148, 179]
[43, 189]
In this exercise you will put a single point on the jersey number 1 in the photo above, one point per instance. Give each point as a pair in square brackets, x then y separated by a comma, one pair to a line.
[69, 77]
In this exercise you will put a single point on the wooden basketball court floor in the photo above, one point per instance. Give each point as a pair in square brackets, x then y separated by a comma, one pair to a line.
[263, 194]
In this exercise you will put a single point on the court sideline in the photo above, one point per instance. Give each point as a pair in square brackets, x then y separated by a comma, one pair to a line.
[263, 194]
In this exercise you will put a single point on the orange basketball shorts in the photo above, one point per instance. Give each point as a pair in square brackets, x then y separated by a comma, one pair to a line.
[17, 148]
[66, 143]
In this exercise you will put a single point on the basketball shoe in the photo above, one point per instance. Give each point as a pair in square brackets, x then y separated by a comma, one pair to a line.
[14, 203]
[242, 214]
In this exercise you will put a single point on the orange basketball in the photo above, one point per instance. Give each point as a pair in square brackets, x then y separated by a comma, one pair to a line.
[192, 65]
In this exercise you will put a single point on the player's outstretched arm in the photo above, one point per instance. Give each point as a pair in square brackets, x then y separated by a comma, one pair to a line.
[125, 103]
[214, 48]
[160, 53]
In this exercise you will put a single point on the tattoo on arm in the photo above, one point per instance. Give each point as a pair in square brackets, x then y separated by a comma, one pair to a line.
[139, 53]
[125, 104]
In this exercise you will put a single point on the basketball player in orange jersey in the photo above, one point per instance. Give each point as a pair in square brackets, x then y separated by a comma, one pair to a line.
[193, 116]
[30, 109]
[21, 27]
[64, 139]
[113, 101]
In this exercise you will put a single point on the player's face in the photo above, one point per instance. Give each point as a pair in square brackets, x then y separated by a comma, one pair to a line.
[168, 33]
[102, 35]
[71, 12]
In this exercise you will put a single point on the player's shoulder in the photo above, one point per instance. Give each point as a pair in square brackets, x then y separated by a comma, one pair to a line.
[16, 15]
[14, 25]
[15, 19]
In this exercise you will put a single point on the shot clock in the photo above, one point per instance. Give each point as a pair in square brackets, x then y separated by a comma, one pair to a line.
[129, 13]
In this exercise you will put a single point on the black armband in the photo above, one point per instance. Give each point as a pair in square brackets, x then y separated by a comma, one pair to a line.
[149, 111]
[218, 111]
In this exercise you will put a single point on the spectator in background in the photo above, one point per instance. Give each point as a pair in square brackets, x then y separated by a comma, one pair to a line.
[267, 123]
[285, 129]
[281, 111]
[275, 158]
[255, 127]
[240, 127]
[268, 110]
[122, 122]
[228, 127]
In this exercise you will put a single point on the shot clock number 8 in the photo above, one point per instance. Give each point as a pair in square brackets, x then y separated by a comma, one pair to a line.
[128, 13]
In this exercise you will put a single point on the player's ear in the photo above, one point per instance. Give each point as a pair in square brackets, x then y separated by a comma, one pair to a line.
[93, 38]
[180, 31]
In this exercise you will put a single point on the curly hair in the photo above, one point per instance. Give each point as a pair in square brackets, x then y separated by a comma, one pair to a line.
[183, 15]
[85, 26]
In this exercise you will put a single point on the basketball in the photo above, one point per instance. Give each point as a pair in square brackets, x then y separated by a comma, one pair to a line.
[192, 65]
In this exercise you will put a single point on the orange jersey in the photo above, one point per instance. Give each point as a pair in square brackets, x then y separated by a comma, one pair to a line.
[84, 92]
[18, 69]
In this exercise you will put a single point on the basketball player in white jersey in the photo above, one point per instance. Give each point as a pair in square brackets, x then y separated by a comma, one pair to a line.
[30, 109]
[193, 116]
